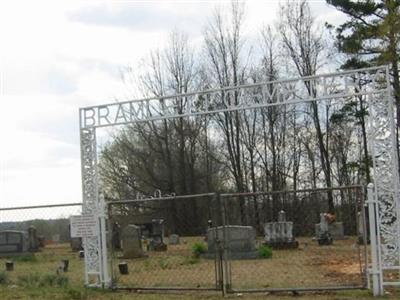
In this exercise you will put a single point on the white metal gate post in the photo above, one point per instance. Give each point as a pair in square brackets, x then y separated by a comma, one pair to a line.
[383, 149]
[375, 271]
[95, 248]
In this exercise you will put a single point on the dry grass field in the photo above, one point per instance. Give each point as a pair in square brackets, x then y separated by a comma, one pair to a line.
[310, 265]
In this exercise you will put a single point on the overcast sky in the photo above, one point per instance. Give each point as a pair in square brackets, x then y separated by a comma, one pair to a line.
[57, 56]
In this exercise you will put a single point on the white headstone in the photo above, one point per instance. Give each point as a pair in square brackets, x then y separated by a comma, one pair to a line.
[173, 239]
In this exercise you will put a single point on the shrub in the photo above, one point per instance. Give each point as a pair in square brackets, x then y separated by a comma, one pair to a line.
[3, 278]
[264, 252]
[198, 249]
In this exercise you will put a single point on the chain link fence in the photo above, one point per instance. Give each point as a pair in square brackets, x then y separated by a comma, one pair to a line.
[266, 241]
[291, 249]
[160, 243]
[36, 248]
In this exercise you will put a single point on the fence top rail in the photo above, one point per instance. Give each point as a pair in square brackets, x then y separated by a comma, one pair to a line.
[161, 198]
[41, 206]
[340, 188]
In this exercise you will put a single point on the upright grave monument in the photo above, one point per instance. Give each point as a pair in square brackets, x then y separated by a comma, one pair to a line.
[335, 229]
[33, 239]
[132, 242]
[324, 237]
[279, 235]
[240, 241]
[13, 243]
[157, 236]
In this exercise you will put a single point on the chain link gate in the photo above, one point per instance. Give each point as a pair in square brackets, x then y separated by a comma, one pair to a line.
[299, 263]
[159, 243]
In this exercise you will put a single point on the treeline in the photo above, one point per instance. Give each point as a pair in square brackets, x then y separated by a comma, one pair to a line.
[311, 145]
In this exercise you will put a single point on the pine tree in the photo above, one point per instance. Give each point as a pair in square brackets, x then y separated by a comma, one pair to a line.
[371, 37]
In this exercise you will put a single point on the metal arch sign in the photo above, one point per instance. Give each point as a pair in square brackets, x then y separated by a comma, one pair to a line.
[335, 85]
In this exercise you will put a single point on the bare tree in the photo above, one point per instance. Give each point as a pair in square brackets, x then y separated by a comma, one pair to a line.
[304, 44]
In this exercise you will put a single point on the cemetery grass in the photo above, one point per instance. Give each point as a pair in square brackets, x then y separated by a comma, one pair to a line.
[308, 266]
[36, 278]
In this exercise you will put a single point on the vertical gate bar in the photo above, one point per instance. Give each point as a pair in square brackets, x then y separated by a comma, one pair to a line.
[223, 248]
[365, 234]
[226, 254]
[222, 254]
[356, 192]
[103, 235]
[217, 272]
[378, 237]
[110, 244]
[374, 229]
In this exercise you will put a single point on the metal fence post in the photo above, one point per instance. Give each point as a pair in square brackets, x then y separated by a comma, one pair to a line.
[105, 276]
[375, 270]
[219, 284]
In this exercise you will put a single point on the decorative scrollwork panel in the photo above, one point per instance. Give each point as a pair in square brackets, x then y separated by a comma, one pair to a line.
[90, 197]
[385, 163]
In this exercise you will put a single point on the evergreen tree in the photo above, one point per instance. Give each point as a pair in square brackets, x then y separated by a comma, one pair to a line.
[371, 37]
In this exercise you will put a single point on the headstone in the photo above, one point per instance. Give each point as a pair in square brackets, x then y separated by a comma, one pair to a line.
[335, 229]
[116, 236]
[323, 223]
[123, 268]
[76, 244]
[33, 240]
[41, 241]
[360, 230]
[9, 266]
[157, 236]
[55, 238]
[13, 243]
[360, 225]
[279, 235]
[324, 237]
[240, 241]
[282, 216]
[173, 239]
[132, 242]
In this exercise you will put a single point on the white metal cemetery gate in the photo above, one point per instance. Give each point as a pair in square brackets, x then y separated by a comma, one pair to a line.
[373, 83]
